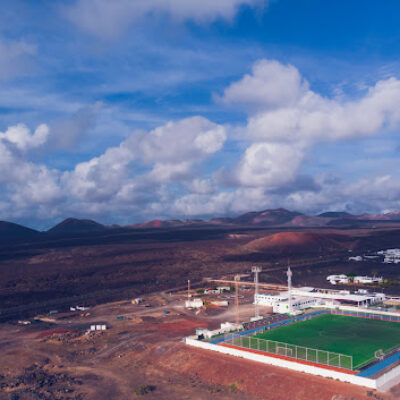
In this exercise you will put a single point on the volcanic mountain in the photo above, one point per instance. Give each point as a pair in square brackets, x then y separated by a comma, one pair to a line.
[304, 242]
[9, 230]
[73, 225]
[278, 216]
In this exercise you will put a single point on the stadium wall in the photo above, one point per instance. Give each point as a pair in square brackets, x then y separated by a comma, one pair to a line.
[388, 380]
[326, 373]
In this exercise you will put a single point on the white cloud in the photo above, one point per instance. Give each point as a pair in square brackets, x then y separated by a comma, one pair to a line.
[270, 85]
[189, 139]
[286, 118]
[169, 151]
[268, 165]
[106, 18]
[26, 185]
[282, 107]
[21, 137]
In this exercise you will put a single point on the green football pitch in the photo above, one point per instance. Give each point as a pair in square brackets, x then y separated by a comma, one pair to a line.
[356, 337]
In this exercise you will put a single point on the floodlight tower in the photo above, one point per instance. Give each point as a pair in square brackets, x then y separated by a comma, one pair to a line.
[289, 274]
[237, 279]
[256, 271]
[188, 293]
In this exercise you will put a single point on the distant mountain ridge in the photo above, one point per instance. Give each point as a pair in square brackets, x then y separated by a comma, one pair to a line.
[279, 217]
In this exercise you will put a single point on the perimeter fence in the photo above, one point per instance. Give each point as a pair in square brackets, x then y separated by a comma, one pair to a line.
[317, 356]
[366, 314]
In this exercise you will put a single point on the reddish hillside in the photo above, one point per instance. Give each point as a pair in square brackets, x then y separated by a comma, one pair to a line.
[295, 241]
[308, 221]
[157, 223]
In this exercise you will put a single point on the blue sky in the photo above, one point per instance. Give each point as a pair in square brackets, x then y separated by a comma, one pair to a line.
[126, 111]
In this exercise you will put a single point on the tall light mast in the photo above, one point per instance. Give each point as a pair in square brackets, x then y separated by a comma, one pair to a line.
[289, 281]
[256, 270]
[237, 279]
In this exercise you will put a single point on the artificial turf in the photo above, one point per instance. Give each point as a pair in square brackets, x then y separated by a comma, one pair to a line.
[353, 336]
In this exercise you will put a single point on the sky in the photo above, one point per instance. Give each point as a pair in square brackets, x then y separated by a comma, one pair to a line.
[128, 110]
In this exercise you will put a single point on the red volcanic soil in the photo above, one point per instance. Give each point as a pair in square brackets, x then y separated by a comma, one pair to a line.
[182, 327]
[261, 381]
[305, 241]
[51, 332]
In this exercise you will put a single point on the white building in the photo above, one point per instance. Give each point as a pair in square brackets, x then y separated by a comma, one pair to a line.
[225, 328]
[270, 299]
[98, 327]
[367, 279]
[355, 258]
[391, 256]
[335, 279]
[280, 301]
[82, 308]
[307, 297]
[298, 304]
[194, 303]
[343, 296]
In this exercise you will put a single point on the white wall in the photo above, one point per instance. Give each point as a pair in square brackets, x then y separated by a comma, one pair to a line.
[327, 373]
[388, 380]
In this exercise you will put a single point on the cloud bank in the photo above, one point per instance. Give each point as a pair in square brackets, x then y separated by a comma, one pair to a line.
[177, 169]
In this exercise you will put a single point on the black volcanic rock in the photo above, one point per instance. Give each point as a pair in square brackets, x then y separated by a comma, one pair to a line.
[9, 230]
[73, 225]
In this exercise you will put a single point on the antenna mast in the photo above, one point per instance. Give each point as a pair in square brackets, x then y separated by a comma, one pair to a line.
[256, 270]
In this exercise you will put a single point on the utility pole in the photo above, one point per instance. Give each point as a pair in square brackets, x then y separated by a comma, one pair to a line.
[256, 270]
[237, 279]
[188, 289]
